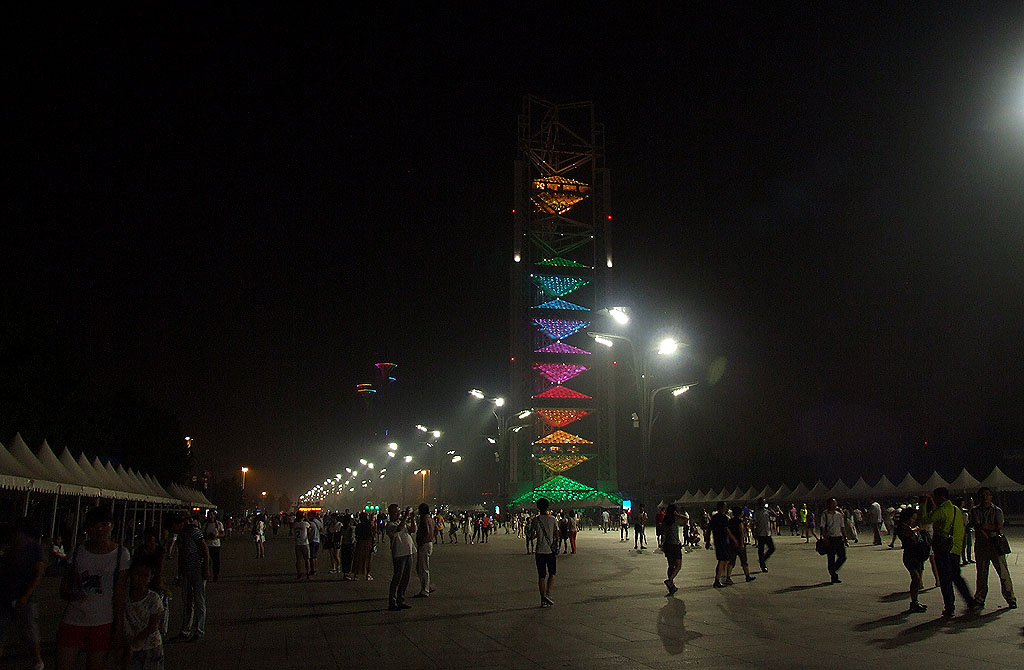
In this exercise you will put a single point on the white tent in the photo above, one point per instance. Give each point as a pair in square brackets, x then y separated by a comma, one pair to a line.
[42, 479]
[840, 491]
[964, 482]
[998, 481]
[884, 488]
[909, 486]
[783, 493]
[860, 489]
[819, 492]
[934, 481]
[800, 492]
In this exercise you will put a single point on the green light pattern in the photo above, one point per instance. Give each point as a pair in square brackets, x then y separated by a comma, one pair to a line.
[561, 488]
[558, 261]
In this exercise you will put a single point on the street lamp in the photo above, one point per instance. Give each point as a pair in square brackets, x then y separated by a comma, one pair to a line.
[506, 426]
[423, 472]
[244, 470]
[641, 369]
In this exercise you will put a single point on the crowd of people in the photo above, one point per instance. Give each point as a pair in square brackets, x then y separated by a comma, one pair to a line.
[117, 600]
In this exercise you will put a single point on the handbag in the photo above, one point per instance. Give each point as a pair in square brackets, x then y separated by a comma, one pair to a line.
[821, 546]
[1000, 544]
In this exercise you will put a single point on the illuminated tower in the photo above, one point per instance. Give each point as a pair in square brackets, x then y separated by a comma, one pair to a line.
[561, 270]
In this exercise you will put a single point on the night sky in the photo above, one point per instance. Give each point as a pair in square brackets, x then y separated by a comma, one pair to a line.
[240, 213]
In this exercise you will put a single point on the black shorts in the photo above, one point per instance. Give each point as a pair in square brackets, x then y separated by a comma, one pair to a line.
[545, 564]
[673, 551]
[723, 552]
[314, 547]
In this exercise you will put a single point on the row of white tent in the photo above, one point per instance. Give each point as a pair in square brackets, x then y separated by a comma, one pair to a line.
[42, 471]
[908, 486]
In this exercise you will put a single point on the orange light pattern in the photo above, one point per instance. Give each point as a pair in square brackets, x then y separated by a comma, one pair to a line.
[556, 194]
[563, 392]
[561, 417]
[561, 463]
[562, 437]
[555, 448]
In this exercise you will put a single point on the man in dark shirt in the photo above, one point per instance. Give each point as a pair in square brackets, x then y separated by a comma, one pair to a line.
[720, 534]
[194, 569]
[22, 565]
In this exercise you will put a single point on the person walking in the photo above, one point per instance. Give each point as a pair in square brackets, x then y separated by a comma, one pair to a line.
[623, 526]
[719, 530]
[316, 531]
[876, 521]
[259, 534]
[916, 550]
[738, 543]
[213, 533]
[424, 548]
[572, 527]
[672, 545]
[987, 521]
[832, 524]
[194, 571]
[400, 525]
[362, 555]
[639, 530]
[22, 567]
[605, 520]
[947, 542]
[763, 534]
[544, 530]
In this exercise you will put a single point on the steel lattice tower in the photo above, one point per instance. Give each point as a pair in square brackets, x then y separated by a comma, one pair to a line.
[560, 277]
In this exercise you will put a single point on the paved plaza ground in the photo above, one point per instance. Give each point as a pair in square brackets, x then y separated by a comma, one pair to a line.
[610, 612]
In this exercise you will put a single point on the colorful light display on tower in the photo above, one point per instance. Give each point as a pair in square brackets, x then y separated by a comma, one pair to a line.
[561, 270]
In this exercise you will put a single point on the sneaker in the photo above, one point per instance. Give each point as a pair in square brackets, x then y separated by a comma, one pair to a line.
[421, 594]
[544, 603]
[764, 569]
[38, 665]
[369, 578]
[718, 585]
[948, 614]
[916, 608]
[728, 581]
[751, 578]
[332, 571]
[1012, 605]
[974, 606]
[404, 605]
[836, 580]
[394, 608]
[547, 599]
[431, 589]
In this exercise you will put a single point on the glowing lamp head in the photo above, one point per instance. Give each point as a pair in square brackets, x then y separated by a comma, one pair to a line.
[600, 339]
[680, 391]
[619, 314]
[408, 459]
[667, 346]
[435, 433]
[499, 402]
[392, 446]
[492, 440]
[477, 393]
[525, 413]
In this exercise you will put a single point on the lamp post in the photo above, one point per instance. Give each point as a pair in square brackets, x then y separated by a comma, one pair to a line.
[423, 472]
[244, 470]
[645, 418]
[506, 426]
[432, 436]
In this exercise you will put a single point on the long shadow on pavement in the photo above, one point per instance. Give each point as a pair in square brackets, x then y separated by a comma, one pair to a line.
[672, 627]
[802, 587]
[925, 630]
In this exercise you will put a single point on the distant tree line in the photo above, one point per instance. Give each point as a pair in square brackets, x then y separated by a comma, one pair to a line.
[48, 391]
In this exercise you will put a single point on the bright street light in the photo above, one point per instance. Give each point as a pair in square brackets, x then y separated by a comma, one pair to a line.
[362, 461]
[435, 433]
[477, 393]
[499, 402]
[525, 413]
[681, 390]
[392, 446]
[667, 346]
[601, 339]
[408, 459]
[619, 314]
[492, 440]
[456, 459]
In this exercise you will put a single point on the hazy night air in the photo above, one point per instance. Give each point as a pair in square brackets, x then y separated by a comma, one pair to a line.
[239, 216]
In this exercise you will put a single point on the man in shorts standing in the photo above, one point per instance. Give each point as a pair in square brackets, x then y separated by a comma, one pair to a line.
[544, 530]
[300, 531]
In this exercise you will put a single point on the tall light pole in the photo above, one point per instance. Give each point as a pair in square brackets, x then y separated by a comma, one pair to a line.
[506, 428]
[244, 470]
[642, 377]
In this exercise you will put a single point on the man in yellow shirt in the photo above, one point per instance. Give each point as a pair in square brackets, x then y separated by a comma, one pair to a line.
[947, 540]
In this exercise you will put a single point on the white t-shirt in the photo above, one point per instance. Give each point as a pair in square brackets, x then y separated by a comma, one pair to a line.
[214, 528]
[832, 523]
[401, 541]
[623, 519]
[95, 576]
[545, 527]
[136, 619]
[604, 516]
[301, 530]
